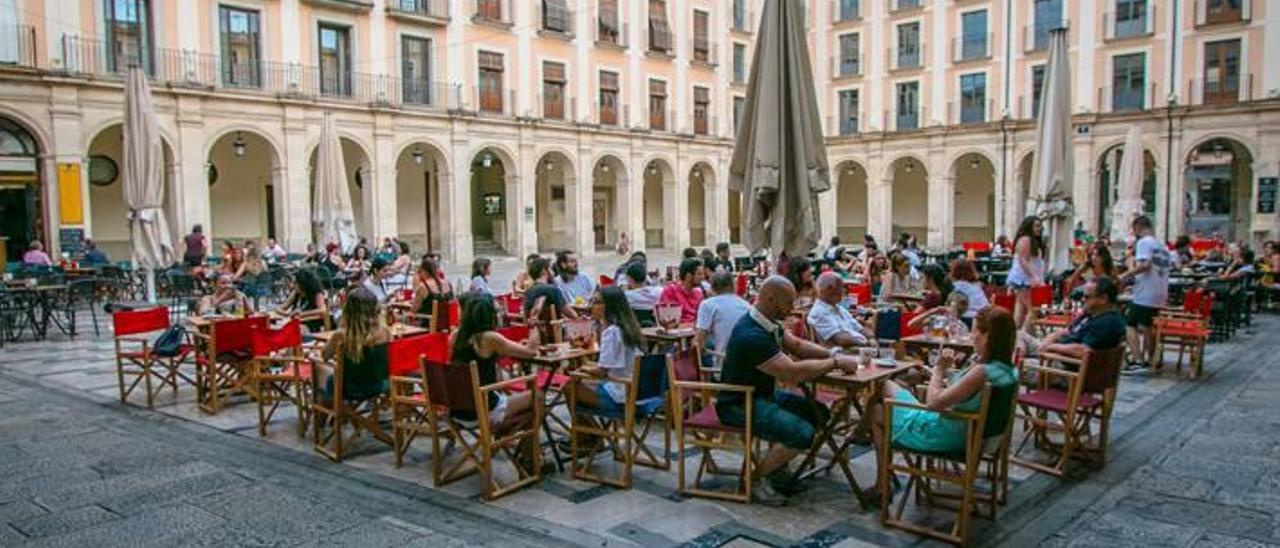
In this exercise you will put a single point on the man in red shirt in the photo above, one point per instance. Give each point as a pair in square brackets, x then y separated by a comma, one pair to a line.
[687, 292]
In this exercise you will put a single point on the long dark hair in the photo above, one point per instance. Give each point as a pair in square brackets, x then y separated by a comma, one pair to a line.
[359, 320]
[1001, 333]
[1108, 264]
[938, 275]
[479, 316]
[796, 269]
[308, 284]
[617, 311]
[1028, 228]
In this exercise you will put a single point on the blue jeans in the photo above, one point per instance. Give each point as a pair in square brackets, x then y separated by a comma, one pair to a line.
[787, 418]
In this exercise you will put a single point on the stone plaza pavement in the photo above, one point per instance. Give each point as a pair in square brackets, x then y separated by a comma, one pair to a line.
[1192, 464]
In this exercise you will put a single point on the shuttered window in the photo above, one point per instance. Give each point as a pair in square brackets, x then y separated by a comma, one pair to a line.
[490, 82]
[608, 98]
[659, 27]
[555, 16]
[553, 81]
[701, 106]
[657, 105]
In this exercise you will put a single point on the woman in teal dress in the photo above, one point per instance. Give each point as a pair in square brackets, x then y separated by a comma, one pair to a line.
[960, 390]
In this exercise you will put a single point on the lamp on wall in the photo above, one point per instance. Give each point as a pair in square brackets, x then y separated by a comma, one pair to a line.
[1218, 150]
[909, 166]
[974, 163]
[486, 160]
[238, 145]
[417, 155]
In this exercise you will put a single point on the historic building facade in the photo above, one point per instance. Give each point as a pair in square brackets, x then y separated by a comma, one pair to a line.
[510, 126]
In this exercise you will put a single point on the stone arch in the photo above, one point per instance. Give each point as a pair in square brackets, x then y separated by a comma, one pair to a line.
[494, 218]
[555, 175]
[973, 207]
[1217, 189]
[610, 180]
[248, 185]
[360, 174]
[1250, 145]
[27, 168]
[853, 200]
[431, 145]
[106, 210]
[701, 178]
[271, 139]
[658, 195]
[909, 210]
[891, 165]
[421, 169]
[41, 134]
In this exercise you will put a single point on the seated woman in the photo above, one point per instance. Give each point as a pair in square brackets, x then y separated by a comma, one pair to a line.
[429, 288]
[1099, 263]
[960, 390]
[252, 265]
[937, 287]
[306, 301]
[955, 310]
[361, 342]
[401, 266]
[964, 279]
[359, 261]
[232, 258]
[333, 260]
[477, 340]
[225, 299]
[800, 272]
[620, 343]
[901, 279]
[523, 281]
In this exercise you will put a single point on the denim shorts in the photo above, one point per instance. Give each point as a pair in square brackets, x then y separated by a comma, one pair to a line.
[607, 404]
[786, 418]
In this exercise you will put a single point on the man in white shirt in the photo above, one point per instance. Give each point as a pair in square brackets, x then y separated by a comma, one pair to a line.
[375, 282]
[718, 314]
[1150, 275]
[274, 253]
[832, 324]
[575, 287]
[642, 296]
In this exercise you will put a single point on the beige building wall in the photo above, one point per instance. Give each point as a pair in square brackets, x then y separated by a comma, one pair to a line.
[664, 188]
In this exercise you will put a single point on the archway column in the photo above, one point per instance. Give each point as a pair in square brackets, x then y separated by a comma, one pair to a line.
[1015, 204]
[942, 214]
[581, 195]
[716, 206]
[828, 210]
[295, 207]
[880, 210]
[1084, 190]
[456, 238]
[675, 213]
[381, 191]
[192, 185]
[632, 205]
[522, 227]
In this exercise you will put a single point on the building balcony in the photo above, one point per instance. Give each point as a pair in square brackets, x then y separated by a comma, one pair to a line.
[660, 121]
[613, 35]
[704, 127]
[554, 22]
[1224, 90]
[1116, 28]
[965, 49]
[905, 121]
[87, 58]
[617, 117]
[846, 67]
[907, 59]
[844, 125]
[1111, 100]
[423, 12]
[20, 47]
[904, 5]
[494, 13]
[844, 12]
[491, 102]
[1036, 39]
[355, 6]
[704, 53]
[743, 22]
[565, 110]
[966, 113]
[1222, 12]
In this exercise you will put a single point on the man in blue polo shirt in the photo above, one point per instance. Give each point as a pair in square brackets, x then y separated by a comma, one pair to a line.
[1101, 327]
[759, 355]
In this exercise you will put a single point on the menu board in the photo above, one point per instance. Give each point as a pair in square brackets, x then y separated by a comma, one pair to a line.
[1267, 194]
[71, 241]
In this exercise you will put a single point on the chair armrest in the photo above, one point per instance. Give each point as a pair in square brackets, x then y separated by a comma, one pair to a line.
[1052, 371]
[714, 387]
[949, 413]
[1049, 356]
[514, 381]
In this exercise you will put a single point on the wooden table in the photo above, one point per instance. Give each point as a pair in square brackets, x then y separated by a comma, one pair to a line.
[865, 383]
[924, 342]
[36, 301]
[398, 331]
[564, 357]
[679, 337]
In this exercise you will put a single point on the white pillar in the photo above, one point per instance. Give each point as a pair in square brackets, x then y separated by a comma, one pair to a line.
[296, 206]
[456, 240]
[633, 206]
[382, 194]
[941, 231]
[828, 214]
[880, 209]
[521, 190]
[581, 203]
[193, 183]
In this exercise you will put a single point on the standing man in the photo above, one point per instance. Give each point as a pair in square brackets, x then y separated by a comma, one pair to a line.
[759, 355]
[1150, 276]
[575, 287]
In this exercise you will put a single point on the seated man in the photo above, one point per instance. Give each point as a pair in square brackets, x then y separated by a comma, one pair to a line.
[717, 315]
[1101, 327]
[832, 324]
[686, 291]
[759, 355]
[641, 295]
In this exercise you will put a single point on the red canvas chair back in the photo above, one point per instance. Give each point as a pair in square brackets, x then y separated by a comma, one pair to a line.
[605, 281]
[906, 318]
[512, 304]
[685, 365]
[267, 341]
[977, 247]
[859, 293]
[1042, 295]
[236, 335]
[449, 385]
[1004, 300]
[740, 285]
[517, 333]
[1102, 370]
[132, 322]
[1202, 246]
[1206, 305]
[404, 355]
[448, 311]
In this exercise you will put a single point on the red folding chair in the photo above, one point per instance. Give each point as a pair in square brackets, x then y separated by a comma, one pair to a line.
[1004, 300]
[859, 293]
[907, 330]
[1041, 295]
[280, 373]
[741, 284]
[223, 360]
[135, 356]
[605, 281]
[512, 307]
[444, 317]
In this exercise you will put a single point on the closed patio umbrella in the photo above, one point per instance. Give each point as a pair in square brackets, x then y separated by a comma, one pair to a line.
[780, 160]
[1052, 170]
[144, 181]
[331, 213]
[1129, 204]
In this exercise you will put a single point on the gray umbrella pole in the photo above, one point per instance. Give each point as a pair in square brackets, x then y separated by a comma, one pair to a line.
[151, 285]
